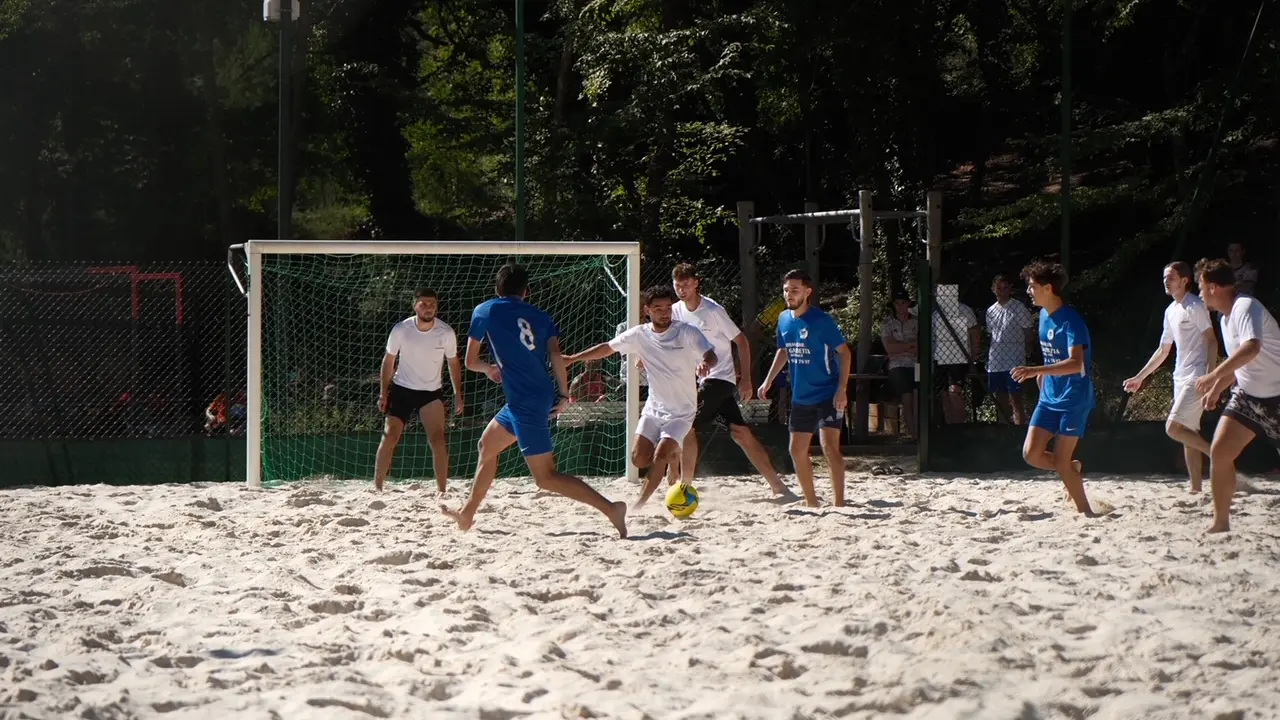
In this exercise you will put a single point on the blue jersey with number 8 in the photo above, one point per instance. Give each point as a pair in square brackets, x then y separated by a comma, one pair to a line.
[518, 334]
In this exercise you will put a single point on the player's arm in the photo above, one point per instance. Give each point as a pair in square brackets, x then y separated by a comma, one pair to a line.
[455, 373]
[558, 367]
[596, 352]
[1210, 349]
[476, 332]
[388, 368]
[779, 361]
[1156, 360]
[1073, 365]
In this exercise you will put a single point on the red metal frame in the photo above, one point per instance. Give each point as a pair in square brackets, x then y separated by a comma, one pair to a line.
[136, 277]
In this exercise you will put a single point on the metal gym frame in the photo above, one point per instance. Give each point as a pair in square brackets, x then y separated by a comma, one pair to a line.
[750, 228]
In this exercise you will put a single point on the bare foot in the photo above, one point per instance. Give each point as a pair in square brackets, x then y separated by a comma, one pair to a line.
[464, 522]
[619, 518]
[1218, 527]
[377, 485]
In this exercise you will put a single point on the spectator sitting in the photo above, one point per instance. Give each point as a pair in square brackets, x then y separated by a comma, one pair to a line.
[590, 386]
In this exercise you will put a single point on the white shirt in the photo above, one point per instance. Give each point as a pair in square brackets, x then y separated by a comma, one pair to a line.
[902, 331]
[945, 349]
[671, 360]
[711, 318]
[1249, 320]
[1184, 326]
[1008, 325]
[421, 353]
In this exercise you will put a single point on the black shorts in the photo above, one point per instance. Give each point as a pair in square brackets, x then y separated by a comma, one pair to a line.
[1261, 415]
[902, 380]
[403, 403]
[809, 418]
[948, 375]
[717, 399]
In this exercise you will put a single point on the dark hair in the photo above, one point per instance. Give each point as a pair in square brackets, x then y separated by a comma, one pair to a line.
[1217, 272]
[659, 292]
[512, 280]
[1182, 269]
[798, 274]
[685, 271]
[1001, 277]
[425, 292]
[1043, 272]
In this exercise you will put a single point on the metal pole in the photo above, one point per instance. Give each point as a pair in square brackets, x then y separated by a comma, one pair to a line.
[866, 299]
[284, 190]
[519, 120]
[1067, 8]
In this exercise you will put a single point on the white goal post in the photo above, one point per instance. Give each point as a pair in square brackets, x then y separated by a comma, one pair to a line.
[252, 287]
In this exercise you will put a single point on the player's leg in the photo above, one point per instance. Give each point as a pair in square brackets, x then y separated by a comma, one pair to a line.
[710, 395]
[399, 410]
[497, 436]
[533, 433]
[731, 412]
[1040, 430]
[830, 439]
[1064, 448]
[432, 418]
[1243, 419]
[1183, 425]
[643, 451]
[666, 452]
[803, 424]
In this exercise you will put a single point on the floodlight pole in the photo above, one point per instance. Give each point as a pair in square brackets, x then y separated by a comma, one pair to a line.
[284, 139]
[519, 159]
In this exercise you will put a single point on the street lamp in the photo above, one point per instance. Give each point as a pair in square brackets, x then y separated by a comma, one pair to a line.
[273, 11]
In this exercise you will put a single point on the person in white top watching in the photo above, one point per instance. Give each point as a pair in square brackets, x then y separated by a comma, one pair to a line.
[956, 338]
[1188, 329]
[1012, 328]
[1252, 341]
[422, 343]
[1246, 274]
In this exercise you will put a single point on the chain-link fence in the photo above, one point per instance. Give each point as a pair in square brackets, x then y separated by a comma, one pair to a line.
[95, 360]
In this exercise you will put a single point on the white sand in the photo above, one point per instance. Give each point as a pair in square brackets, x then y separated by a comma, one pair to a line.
[930, 598]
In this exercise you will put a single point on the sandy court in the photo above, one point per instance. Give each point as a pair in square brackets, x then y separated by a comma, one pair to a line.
[929, 598]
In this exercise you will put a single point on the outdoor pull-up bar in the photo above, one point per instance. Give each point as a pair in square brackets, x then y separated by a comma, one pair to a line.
[749, 228]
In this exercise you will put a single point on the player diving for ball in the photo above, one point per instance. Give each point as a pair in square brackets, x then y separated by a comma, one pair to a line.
[814, 351]
[422, 343]
[675, 354]
[523, 339]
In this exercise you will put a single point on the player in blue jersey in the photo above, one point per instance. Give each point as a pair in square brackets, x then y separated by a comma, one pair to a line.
[1066, 389]
[523, 339]
[813, 350]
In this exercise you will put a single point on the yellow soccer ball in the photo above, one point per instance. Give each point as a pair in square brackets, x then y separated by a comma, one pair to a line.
[682, 500]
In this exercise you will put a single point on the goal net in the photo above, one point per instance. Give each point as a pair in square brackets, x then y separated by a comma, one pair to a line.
[319, 316]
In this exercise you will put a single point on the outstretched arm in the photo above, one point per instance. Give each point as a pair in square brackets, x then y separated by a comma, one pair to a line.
[599, 352]
[1156, 360]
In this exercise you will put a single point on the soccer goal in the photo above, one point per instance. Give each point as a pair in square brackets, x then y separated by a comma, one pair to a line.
[319, 313]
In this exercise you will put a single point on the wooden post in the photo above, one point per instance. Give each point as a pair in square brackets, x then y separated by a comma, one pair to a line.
[747, 235]
[866, 299]
[811, 234]
[933, 207]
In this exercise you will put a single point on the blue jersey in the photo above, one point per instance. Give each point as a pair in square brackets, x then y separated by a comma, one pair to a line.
[811, 341]
[518, 334]
[1060, 332]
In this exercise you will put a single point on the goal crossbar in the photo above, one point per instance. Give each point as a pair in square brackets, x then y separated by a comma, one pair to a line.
[438, 247]
[255, 250]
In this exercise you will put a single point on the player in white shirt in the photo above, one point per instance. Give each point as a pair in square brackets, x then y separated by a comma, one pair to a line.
[716, 391]
[1252, 341]
[1186, 327]
[422, 343]
[675, 355]
[1012, 328]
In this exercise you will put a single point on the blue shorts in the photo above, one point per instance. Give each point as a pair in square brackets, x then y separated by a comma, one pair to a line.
[1003, 382]
[1068, 423]
[532, 429]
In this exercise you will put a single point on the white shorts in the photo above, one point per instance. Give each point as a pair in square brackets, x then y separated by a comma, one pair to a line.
[1188, 406]
[655, 428]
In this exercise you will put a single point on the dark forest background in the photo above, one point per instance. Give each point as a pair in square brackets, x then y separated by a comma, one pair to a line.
[141, 130]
